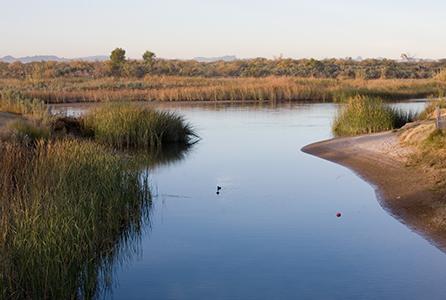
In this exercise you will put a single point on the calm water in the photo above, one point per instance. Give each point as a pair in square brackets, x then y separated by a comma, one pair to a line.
[272, 233]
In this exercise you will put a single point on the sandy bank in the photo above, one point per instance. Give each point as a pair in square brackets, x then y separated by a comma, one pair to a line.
[408, 193]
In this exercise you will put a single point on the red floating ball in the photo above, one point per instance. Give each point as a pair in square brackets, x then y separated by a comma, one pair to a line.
[338, 215]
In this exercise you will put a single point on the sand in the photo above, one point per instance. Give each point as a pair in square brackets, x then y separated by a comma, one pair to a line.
[407, 192]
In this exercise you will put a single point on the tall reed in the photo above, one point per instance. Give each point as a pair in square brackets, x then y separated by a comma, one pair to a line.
[136, 126]
[176, 88]
[68, 209]
[431, 106]
[16, 102]
[362, 115]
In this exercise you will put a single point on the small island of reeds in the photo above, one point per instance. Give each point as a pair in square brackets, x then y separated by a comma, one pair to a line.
[364, 115]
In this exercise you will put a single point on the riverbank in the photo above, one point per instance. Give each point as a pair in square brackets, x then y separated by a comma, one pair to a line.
[410, 192]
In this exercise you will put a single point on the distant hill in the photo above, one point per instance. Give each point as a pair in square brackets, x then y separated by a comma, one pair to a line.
[93, 58]
[37, 58]
[27, 59]
[213, 59]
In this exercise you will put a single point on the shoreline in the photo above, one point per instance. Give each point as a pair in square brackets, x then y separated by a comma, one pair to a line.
[408, 193]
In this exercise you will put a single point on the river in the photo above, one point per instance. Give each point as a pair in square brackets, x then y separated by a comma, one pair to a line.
[272, 231]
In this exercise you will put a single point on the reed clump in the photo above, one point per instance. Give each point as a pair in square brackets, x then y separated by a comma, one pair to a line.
[135, 126]
[67, 208]
[28, 132]
[364, 115]
[430, 108]
[16, 102]
[441, 76]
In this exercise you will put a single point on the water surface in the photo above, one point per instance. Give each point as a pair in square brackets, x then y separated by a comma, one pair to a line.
[272, 233]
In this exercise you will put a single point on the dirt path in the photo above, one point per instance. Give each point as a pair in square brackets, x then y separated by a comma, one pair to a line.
[406, 192]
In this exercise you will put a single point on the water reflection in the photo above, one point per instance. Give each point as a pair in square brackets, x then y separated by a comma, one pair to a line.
[272, 233]
[71, 215]
[165, 156]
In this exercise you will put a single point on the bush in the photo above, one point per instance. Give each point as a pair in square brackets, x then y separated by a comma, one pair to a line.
[362, 115]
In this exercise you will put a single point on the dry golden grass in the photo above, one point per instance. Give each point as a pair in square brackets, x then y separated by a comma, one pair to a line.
[174, 88]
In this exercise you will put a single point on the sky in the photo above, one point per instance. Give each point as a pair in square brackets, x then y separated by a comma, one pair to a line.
[245, 28]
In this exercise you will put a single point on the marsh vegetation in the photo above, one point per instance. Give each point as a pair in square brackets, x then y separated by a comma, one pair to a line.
[429, 140]
[177, 88]
[155, 79]
[14, 101]
[149, 64]
[136, 126]
[115, 124]
[71, 203]
[73, 197]
[363, 115]
[67, 207]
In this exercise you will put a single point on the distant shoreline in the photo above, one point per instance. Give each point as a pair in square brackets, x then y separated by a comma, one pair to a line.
[407, 193]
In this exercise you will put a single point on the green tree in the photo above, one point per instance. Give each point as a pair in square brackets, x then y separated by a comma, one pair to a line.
[149, 57]
[117, 61]
[149, 60]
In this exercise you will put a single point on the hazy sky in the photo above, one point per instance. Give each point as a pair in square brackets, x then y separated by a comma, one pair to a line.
[246, 28]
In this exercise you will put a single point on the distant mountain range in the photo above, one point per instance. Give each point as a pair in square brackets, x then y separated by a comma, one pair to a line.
[37, 58]
[213, 59]
[227, 58]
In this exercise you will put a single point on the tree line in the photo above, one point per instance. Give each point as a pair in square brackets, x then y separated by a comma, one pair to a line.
[120, 66]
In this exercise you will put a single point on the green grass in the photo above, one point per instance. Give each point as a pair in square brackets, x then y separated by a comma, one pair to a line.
[68, 209]
[16, 102]
[70, 204]
[436, 140]
[363, 115]
[28, 132]
[128, 126]
[432, 153]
